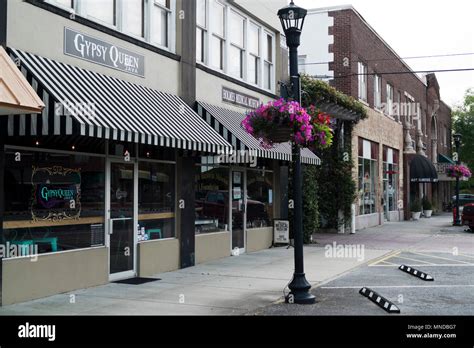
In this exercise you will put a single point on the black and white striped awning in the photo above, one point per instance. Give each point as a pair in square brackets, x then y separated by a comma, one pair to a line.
[87, 103]
[228, 124]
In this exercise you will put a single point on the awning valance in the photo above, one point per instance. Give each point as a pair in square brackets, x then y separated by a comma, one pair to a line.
[16, 94]
[228, 124]
[422, 170]
[87, 103]
[445, 159]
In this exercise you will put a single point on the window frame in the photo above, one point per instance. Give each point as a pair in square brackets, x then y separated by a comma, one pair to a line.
[377, 91]
[390, 99]
[248, 57]
[79, 10]
[362, 82]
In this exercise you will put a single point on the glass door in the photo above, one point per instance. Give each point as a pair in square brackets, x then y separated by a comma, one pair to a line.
[121, 222]
[238, 204]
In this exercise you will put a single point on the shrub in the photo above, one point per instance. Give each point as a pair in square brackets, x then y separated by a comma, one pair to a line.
[427, 205]
[415, 206]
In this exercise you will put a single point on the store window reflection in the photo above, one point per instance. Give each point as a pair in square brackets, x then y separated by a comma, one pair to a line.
[156, 201]
[259, 198]
[212, 199]
[54, 201]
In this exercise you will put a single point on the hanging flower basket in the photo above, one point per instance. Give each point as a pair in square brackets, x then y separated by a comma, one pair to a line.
[458, 171]
[282, 121]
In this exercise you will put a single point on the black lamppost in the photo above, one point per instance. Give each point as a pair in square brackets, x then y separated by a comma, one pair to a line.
[292, 20]
[457, 142]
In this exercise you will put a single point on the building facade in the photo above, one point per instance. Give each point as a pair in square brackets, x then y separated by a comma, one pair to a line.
[406, 116]
[137, 164]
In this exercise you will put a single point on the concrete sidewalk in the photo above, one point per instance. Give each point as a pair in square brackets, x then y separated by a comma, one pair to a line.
[232, 286]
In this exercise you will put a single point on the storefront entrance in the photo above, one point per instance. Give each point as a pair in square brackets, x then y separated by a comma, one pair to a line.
[122, 220]
[238, 211]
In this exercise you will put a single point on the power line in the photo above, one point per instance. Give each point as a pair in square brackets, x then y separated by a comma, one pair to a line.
[393, 73]
[404, 58]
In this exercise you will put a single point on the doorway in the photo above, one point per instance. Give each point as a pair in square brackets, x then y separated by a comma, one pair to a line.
[122, 220]
[238, 212]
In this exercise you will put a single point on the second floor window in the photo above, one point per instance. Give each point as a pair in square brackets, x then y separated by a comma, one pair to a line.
[377, 92]
[201, 30]
[389, 105]
[233, 43]
[218, 35]
[237, 50]
[133, 14]
[101, 10]
[149, 20]
[254, 54]
[362, 77]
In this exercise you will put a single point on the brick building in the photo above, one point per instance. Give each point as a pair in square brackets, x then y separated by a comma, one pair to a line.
[407, 119]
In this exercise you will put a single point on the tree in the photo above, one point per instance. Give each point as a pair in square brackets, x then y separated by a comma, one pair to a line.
[463, 124]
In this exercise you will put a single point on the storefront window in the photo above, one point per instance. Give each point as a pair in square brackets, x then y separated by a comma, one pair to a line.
[156, 200]
[54, 201]
[368, 155]
[212, 199]
[259, 198]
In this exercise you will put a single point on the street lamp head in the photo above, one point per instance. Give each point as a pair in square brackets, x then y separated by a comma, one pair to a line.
[292, 19]
[457, 139]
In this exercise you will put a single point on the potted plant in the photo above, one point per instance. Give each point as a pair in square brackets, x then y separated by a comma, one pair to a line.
[458, 171]
[427, 207]
[281, 121]
[415, 208]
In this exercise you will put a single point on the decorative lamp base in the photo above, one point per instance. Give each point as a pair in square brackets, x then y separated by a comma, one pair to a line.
[299, 293]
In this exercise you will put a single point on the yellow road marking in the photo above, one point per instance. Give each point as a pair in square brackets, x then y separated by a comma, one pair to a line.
[393, 253]
[416, 260]
[439, 257]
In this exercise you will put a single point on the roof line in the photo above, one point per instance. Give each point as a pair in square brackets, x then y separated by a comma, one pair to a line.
[350, 7]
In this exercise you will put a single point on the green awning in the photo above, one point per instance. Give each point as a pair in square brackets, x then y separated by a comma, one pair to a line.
[445, 159]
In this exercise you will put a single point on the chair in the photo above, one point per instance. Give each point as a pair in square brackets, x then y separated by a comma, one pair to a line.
[154, 231]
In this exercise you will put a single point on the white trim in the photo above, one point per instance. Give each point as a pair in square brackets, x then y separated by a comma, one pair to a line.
[61, 152]
[211, 233]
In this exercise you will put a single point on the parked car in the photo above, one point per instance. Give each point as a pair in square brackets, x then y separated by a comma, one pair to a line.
[468, 216]
[464, 198]
[215, 204]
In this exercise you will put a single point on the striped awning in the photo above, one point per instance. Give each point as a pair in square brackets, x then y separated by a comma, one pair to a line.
[87, 103]
[228, 124]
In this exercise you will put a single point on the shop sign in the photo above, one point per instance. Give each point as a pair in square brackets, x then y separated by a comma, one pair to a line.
[281, 232]
[56, 193]
[240, 99]
[94, 50]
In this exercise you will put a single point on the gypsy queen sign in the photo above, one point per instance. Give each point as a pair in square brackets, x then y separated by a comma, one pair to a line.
[56, 193]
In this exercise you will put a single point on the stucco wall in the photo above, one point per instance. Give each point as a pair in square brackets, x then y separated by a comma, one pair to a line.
[158, 256]
[41, 32]
[259, 238]
[212, 246]
[52, 274]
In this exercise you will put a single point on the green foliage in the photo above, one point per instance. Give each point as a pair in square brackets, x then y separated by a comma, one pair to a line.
[415, 206]
[463, 117]
[317, 91]
[336, 189]
[427, 205]
[310, 202]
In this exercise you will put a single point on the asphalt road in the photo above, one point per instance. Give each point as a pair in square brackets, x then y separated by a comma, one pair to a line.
[451, 292]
